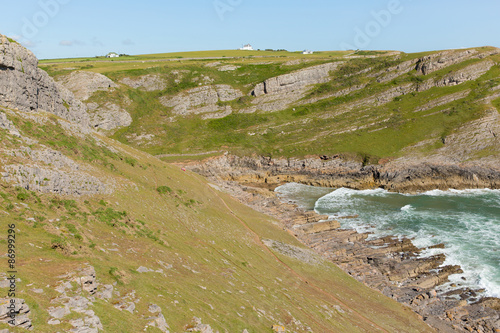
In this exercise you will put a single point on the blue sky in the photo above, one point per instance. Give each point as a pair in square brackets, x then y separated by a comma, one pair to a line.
[74, 28]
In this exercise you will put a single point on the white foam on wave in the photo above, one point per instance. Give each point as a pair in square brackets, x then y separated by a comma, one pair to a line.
[471, 236]
[304, 196]
[407, 208]
[453, 192]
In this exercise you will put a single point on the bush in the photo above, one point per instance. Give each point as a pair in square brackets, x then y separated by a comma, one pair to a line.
[163, 189]
[130, 161]
[109, 215]
[23, 196]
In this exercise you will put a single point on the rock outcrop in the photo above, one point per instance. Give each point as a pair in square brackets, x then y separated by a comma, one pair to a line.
[158, 320]
[50, 180]
[25, 87]
[15, 312]
[203, 100]
[277, 93]
[429, 64]
[150, 82]
[71, 301]
[49, 171]
[6, 124]
[443, 100]
[398, 176]
[296, 80]
[468, 73]
[108, 116]
[84, 84]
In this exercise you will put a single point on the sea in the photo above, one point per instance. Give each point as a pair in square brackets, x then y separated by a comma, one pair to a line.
[466, 221]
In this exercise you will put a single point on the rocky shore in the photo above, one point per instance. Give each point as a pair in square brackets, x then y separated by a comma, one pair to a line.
[391, 265]
[405, 176]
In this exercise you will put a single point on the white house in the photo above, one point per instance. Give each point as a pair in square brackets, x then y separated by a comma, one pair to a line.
[307, 52]
[247, 47]
[112, 55]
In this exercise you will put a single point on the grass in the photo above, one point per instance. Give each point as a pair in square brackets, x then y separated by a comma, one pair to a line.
[219, 270]
[496, 104]
[312, 126]
[200, 54]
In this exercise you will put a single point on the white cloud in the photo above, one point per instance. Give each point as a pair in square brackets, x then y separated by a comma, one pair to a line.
[66, 43]
[71, 42]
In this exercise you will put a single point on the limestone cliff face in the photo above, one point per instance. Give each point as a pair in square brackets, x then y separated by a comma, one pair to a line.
[278, 93]
[437, 61]
[296, 80]
[84, 84]
[25, 87]
[24, 91]
[398, 176]
[203, 100]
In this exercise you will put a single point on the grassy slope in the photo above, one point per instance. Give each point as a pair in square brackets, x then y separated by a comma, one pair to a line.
[317, 128]
[221, 270]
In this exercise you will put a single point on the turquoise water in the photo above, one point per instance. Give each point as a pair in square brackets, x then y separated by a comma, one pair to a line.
[467, 222]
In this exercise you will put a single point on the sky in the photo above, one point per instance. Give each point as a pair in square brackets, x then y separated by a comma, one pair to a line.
[87, 28]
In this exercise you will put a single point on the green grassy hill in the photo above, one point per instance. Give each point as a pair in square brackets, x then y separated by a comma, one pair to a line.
[168, 248]
[370, 106]
[204, 253]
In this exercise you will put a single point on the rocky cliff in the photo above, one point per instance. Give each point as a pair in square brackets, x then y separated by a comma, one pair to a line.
[398, 176]
[203, 100]
[25, 87]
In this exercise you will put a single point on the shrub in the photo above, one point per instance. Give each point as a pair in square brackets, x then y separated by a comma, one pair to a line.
[23, 196]
[163, 189]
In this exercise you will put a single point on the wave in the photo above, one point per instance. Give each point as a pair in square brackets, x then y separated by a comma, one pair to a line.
[466, 192]
[466, 221]
[407, 208]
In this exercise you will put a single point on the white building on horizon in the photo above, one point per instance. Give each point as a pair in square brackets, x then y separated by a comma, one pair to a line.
[307, 52]
[112, 55]
[247, 47]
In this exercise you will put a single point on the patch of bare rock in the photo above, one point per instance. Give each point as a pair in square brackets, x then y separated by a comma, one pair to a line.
[49, 171]
[25, 87]
[203, 100]
[108, 116]
[15, 313]
[150, 82]
[84, 84]
[279, 92]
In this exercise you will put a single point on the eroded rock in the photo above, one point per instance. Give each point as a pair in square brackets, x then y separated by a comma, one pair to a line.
[108, 116]
[25, 87]
[15, 312]
[203, 100]
[150, 82]
[49, 180]
[84, 84]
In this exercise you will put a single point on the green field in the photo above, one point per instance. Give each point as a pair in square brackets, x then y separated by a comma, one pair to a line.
[202, 54]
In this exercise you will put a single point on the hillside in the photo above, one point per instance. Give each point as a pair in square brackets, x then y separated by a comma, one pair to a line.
[109, 238]
[367, 106]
